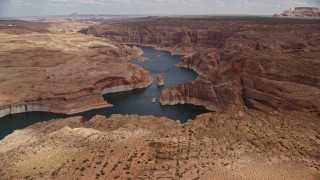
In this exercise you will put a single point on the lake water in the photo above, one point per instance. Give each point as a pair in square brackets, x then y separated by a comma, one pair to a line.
[131, 102]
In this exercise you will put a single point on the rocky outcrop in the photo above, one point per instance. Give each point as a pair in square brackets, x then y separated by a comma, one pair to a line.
[214, 96]
[132, 146]
[195, 92]
[160, 80]
[63, 73]
[311, 12]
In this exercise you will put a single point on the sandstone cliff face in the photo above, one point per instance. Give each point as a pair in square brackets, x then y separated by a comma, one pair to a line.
[282, 73]
[223, 145]
[214, 96]
[257, 69]
[176, 35]
[203, 61]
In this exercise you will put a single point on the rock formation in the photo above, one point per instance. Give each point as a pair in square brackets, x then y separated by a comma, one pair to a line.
[65, 73]
[310, 12]
[160, 80]
[203, 61]
[225, 145]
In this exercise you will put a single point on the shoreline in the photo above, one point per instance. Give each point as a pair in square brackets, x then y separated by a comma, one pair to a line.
[54, 106]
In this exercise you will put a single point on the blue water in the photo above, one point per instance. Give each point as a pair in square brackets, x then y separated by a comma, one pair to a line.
[131, 102]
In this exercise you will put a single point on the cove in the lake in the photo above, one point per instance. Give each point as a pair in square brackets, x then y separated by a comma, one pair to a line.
[137, 101]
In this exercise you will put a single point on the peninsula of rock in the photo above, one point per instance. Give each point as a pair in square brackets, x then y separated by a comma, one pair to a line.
[41, 70]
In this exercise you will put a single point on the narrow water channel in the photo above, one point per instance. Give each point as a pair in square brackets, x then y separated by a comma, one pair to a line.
[137, 101]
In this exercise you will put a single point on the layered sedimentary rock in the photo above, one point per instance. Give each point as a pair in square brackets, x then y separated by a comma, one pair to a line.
[212, 89]
[258, 70]
[311, 12]
[276, 70]
[178, 35]
[203, 61]
[261, 63]
[66, 73]
[160, 80]
[213, 95]
[225, 145]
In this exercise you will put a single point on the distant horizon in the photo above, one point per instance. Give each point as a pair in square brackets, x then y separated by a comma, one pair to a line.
[38, 8]
[138, 15]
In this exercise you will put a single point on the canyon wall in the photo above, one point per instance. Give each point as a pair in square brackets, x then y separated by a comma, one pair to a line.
[177, 35]
[263, 63]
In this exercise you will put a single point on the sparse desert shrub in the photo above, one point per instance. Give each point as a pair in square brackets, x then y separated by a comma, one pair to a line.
[105, 164]
[98, 162]
[102, 172]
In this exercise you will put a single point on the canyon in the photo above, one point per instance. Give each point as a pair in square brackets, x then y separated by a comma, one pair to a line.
[245, 62]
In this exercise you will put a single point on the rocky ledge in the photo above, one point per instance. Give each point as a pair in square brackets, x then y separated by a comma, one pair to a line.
[64, 73]
[226, 145]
